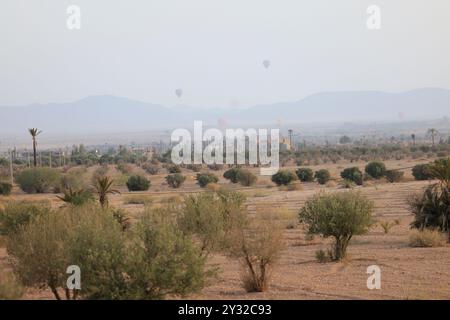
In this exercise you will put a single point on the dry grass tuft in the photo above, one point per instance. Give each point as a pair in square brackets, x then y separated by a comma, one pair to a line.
[426, 238]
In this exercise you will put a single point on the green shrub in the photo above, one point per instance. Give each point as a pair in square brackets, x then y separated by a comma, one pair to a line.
[376, 169]
[322, 176]
[37, 180]
[353, 174]
[246, 177]
[431, 207]
[39, 254]
[175, 180]
[138, 183]
[305, 174]
[284, 177]
[174, 169]
[231, 174]
[154, 260]
[429, 211]
[5, 188]
[96, 243]
[422, 172]
[76, 197]
[204, 178]
[338, 215]
[18, 214]
[394, 175]
[210, 217]
[163, 260]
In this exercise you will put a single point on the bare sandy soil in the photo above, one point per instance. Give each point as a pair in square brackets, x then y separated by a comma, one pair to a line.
[406, 272]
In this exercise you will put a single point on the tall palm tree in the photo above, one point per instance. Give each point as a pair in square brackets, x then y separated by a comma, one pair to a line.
[413, 137]
[34, 133]
[103, 187]
[432, 133]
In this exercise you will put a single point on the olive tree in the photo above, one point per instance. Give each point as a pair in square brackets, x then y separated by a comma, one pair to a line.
[338, 215]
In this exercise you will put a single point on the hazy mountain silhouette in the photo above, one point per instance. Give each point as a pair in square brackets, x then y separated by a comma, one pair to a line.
[115, 114]
[360, 105]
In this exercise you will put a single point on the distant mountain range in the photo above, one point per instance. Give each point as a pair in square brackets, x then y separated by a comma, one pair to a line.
[103, 114]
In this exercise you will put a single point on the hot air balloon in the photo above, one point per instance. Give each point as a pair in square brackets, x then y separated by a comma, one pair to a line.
[179, 92]
[266, 64]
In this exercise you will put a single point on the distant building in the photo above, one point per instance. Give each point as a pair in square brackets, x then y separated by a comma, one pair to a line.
[285, 145]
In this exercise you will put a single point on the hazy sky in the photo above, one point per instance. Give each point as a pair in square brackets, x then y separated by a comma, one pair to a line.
[213, 49]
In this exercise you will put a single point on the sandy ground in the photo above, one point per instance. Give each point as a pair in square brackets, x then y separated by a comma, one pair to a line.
[406, 273]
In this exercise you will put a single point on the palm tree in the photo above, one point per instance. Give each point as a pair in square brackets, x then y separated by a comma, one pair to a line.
[103, 187]
[413, 137]
[432, 133]
[34, 133]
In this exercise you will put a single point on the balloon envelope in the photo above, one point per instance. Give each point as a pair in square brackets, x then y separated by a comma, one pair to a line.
[179, 92]
[266, 63]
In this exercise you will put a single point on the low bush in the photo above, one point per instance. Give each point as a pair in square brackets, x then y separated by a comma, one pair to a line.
[204, 178]
[231, 174]
[211, 216]
[427, 238]
[422, 172]
[284, 177]
[76, 197]
[246, 178]
[15, 215]
[353, 174]
[5, 188]
[173, 168]
[376, 169]
[38, 180]
[138, 183]
[305, 174]
[258, 249]
[394, 175]
[175, 180]
[322, 176]
[431, 209]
